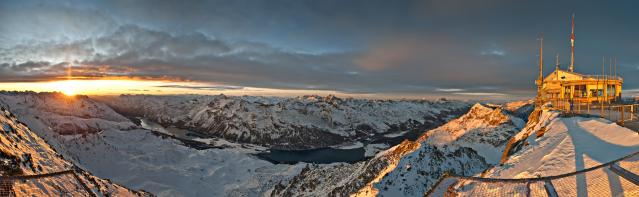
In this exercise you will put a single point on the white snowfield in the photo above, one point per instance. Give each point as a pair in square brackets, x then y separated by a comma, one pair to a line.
[559, 145]
[165, 167]
[569, 144]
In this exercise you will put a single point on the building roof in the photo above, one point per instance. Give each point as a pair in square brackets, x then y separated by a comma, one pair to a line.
[565, 75]
[562, 75]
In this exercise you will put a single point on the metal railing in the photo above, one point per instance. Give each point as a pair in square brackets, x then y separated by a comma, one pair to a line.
[604, 77]
[616, 112]
[609, 179]
[62, 183]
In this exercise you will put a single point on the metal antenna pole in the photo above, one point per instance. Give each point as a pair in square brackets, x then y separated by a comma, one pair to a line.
[609, 78]
[572, 45]
[603, 62]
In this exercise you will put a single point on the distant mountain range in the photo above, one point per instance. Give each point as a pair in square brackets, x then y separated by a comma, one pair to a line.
[289, 123]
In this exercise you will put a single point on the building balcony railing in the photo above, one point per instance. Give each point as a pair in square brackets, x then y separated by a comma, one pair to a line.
[602, 77]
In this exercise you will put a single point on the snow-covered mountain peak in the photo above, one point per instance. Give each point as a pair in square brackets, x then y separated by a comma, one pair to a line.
[481, 125]
[481, 113]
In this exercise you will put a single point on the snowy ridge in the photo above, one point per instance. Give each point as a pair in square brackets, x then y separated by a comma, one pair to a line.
[482, 129]
[289, 123]
[63, 114]
[22, 152]
[560, 144]
[463, 146]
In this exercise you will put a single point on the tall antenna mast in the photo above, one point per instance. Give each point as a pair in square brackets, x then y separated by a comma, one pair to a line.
[572, 45]
[610, 68]
[541, 60]
[603, 75]
[557, 62]
[540, 81]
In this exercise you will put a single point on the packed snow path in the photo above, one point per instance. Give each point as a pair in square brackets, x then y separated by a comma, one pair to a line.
[622, 174]
[560, 145]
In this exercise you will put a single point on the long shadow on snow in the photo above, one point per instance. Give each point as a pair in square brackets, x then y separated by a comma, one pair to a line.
[586, 143]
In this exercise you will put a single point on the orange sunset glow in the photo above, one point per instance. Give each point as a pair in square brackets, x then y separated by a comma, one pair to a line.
[116, 86]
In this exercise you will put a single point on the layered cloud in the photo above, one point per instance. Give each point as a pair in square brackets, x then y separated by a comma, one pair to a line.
[416, 47]
[397, 65]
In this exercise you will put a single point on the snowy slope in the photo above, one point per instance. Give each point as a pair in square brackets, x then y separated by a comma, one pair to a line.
[567, 144]
[22, 152]
[555, 144]
[62, 114]
[466, 145]
[289, 123]
[163, 166]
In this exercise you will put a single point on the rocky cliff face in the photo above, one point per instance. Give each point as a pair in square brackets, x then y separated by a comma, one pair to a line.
[22, 152]
[289, 123]
[464, 146]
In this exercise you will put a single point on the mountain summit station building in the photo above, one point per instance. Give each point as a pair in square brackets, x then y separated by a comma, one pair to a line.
[568, 85]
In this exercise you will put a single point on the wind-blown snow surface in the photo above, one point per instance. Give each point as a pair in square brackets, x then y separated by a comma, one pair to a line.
[289, 123]
[22, 152]
[568, 144]
[554, 144]
[463, 146]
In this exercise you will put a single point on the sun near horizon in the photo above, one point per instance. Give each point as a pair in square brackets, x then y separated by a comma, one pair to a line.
[69, 88]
